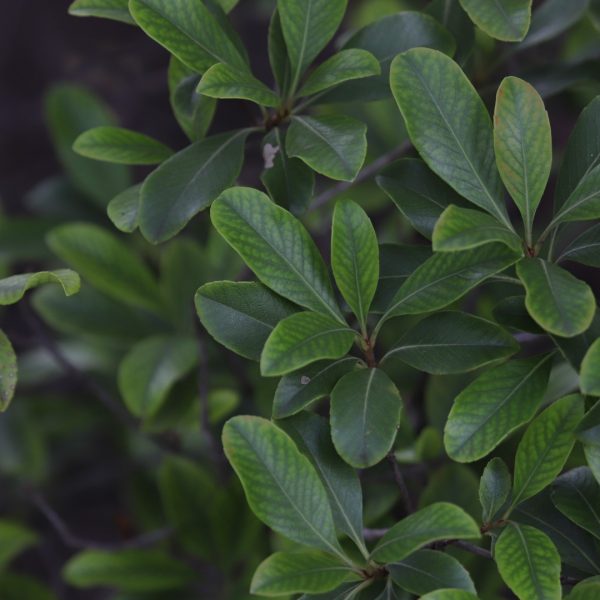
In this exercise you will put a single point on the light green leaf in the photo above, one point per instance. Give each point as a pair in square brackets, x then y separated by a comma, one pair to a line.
[589, 378]
[276, 246]
[333, 145]
[453, 342]
[494, 405]
[188, 182]
[428, 570]
[8, 372]
[494, 488]
[128, 570]
[439, 521]
[14, 539]
[123, 210]
[346, 65]
[355, 257]
[456, 144]
[13, 288]
[189, 30]
[108, 9]
[224, 81]
[121, 146]
[240, 315]
[557, 301]
[449, 594]
[506, 20]
[282, 487]
[545, 447]
[365, 415]
[151, 368]
[107, 263]
[584, 249]
[301, 339]
[588, 589]
[529, 563]
[464, 228]
[523, 145]
[285, 573]
[307, 27]
[584, 202]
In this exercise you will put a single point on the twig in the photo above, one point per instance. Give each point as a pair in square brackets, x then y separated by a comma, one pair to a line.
[408, 503]
[472, 548]
[374, 534]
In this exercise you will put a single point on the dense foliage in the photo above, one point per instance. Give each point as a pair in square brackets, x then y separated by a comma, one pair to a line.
[414, 413]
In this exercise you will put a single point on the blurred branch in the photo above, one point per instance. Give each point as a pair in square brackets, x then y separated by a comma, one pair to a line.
[401, 483]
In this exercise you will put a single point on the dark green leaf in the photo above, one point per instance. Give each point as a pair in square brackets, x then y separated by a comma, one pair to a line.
[494, 488]
[123, 210]
[452, 16]
[590, 370]
[584, 249]
[506, 20]
[13, 288]
[108, 9]
[278, 55]
[584, 202]
[14, 539]
[512, 312]
[8, 372]
[18, 587]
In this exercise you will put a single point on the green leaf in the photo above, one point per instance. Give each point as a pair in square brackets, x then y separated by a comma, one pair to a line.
[301, 339]
[276, 246]
[121, 146]
[224, 81]
[584, 249]
[558, 302]
[346, 65]
[456, 21]
[428, 570]
[14, 539]
[8, 372]
[439, 521]
[17, 587]
[282, 487]
[333, 145]
[590, 371]
[355, 257]
[506, 20]
[240, 315]
[523, 144]
[13, 288]
[308, 25]
[494, 405]
[584, 202]
[449, 594]
[123, 210]
[310, 571]
[494, 488]
[511, 312]
[365, 415]
[577, 495]
[128, 570]
[588, 589]
[545, 447]
[151, 368]
[108, 9]
[278, 55]
[189, 30]
[188, 182]
[299, 390]
[464, 228]
[107, 263]
[456, 144]
[528, 563]
[453, 342]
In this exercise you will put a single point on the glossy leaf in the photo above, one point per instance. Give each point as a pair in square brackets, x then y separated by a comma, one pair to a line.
[590, 371]
[188, 182]
[123, 210]
[301, 339]
[333, 145]
[365, 415]
[14, 539]
[108, 9]
[499, 401]
[8, 372]
[557, 301]
[506, 20]
[13, 288]
[494, 488]
[439, 521]
[529, 563]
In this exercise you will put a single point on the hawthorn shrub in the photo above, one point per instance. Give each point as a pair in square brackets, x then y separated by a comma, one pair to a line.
[418, 378]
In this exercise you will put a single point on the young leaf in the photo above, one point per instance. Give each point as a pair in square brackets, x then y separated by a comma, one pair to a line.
[429, 570]
[296, 572]
[333, 145]
[528, 562]
[456, 144]
[188, 182]
[365, 415]
[584, 249]
[494, 488]
[439, 521]
[506, 20]
[108, 9]
[303, 338]
[240, 315]
[276, 247]
[589, 378]
[224, 81]
[557, 301]
[464, 228]
[122, 146]
[355, 257]
[494, 405]
[523, 145]
[189, 30]
[545, 447]
[123, 210]
[307, 27]
[346, 65]
[13, 288]
[584, 202]
[8, 372]
[282, 487]
[14, 539]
